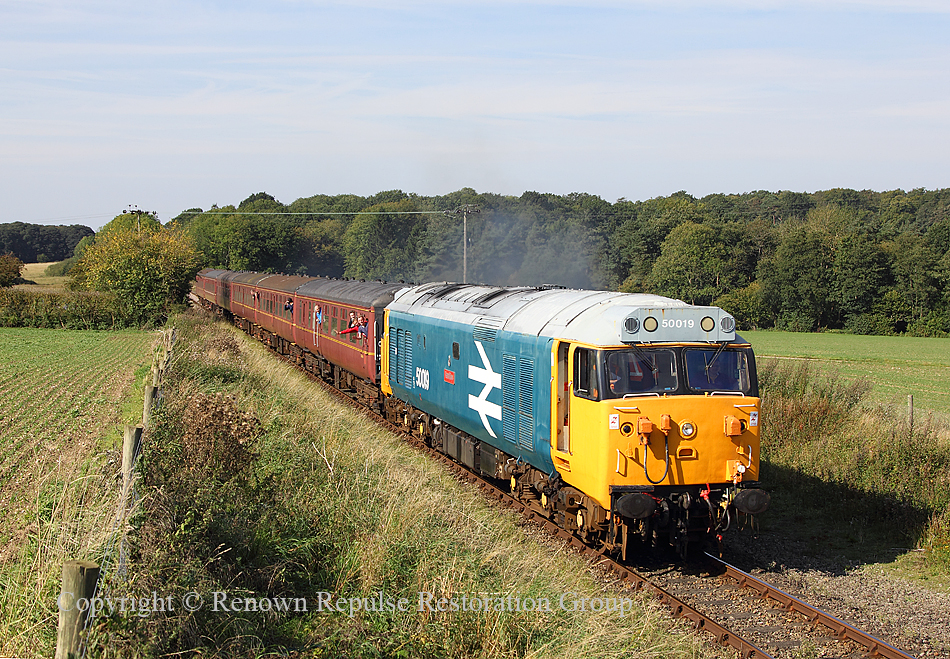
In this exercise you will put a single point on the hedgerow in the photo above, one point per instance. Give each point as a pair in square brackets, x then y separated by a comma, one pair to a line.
[71, 310]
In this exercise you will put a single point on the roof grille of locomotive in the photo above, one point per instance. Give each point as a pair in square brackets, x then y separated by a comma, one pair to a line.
[445, 290]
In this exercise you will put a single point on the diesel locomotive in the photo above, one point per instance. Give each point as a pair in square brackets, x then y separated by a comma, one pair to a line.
[631, 420]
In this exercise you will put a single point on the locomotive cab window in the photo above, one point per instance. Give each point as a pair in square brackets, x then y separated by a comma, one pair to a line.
[633, 372]
[455, 351]
[586, 374]
[708, 369]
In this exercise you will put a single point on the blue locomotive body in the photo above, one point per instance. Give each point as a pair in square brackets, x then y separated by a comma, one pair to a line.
[492, 384]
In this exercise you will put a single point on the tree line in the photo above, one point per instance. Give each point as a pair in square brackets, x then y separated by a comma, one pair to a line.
[862, 261]
[40, 243]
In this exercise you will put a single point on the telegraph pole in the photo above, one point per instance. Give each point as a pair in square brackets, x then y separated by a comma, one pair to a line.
[465, 209]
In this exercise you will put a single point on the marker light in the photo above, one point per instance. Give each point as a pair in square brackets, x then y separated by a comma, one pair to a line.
[708, 324]
[728, 323]
[650, 324]
[631, 325]
[687, 429]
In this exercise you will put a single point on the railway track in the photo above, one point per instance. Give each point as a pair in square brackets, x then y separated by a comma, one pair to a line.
[763, 621]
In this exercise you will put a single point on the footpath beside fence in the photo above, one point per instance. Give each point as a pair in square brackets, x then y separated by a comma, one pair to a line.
[84, 581]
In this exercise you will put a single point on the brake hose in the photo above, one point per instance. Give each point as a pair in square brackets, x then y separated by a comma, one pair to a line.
[665, 471]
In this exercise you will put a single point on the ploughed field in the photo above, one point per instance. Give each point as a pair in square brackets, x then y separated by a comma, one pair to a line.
[63, 396]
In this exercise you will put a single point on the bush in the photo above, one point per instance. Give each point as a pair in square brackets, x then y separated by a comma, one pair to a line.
[10, 268]
[796, 322]
[62, 268]
[865, 458]
[745, 305]
[150, 267]
[867, 323]
[936, 324]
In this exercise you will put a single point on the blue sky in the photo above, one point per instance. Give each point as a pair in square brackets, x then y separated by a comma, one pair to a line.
[170, 105]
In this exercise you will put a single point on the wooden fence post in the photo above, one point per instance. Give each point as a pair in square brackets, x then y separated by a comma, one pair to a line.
[910, 412]
[130, 446]
[150, 393]
[79, 587]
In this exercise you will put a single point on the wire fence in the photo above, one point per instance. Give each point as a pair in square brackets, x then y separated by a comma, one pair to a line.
[87, 582]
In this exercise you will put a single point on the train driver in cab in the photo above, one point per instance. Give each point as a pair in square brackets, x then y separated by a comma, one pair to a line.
[627, 374]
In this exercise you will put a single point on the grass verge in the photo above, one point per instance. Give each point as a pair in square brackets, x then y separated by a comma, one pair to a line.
[851, 476]
[261, 486]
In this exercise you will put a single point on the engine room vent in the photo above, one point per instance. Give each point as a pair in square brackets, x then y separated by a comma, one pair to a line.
[444, 290]
[488, 297]
[486, 327]
[484, 334]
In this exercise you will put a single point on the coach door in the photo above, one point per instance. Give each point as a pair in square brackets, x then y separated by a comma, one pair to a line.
[377, 333]
[563, 383]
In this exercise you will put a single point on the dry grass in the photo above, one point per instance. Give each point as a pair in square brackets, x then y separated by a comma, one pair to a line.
[36, 273]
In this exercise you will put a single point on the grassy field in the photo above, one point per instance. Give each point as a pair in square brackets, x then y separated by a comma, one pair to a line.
[36, 273]
[65, 394]
[896, 365]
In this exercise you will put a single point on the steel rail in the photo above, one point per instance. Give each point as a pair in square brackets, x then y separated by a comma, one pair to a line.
[875, 646]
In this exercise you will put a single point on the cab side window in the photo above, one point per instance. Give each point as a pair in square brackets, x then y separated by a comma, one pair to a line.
[586, 374]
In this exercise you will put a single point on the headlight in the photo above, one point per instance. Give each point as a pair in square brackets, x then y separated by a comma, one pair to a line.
[650, 324]
[708, 324]
[687, 429]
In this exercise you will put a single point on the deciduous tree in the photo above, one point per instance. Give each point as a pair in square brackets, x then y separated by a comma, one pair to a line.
[149, 268]
[10, 269]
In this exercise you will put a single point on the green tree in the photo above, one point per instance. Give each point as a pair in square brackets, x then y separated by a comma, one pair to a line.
[796, 281]
[321, 246]
[228, 238]
[385, 244]
[914, 265]
[10, 269]
[149, 268]
[700, 262]
[641, 228]
[859, 271]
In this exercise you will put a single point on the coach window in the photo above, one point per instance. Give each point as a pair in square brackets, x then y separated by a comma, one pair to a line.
[586, 374]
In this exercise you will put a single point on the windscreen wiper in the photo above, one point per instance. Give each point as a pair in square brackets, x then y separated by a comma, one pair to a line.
[722, 346]
[641, 356]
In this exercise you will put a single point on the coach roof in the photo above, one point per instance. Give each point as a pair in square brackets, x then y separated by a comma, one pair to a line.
[350, 292]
